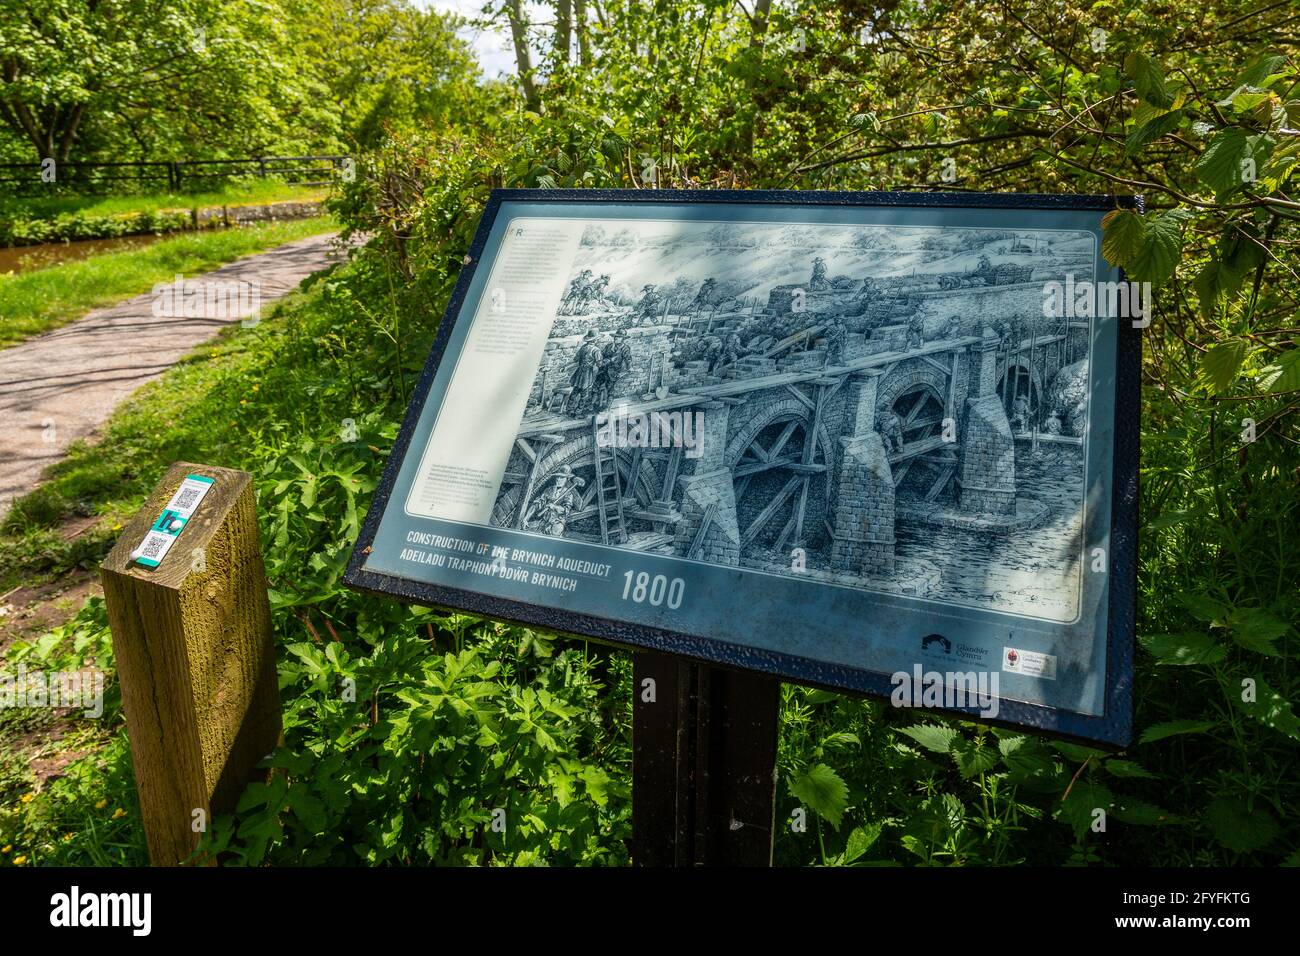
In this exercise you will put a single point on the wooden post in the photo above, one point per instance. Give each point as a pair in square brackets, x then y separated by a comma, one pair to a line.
[196, 660]
[703, 764]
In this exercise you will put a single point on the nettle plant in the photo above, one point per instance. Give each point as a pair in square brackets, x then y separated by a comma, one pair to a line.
[411, 736]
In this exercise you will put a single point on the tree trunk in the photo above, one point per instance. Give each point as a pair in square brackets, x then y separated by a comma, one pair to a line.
[758, 31]
[523, 57]
[563, 31]
[758, 24]
[580, 21]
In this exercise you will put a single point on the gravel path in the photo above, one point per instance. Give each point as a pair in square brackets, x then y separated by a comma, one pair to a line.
[61, 386]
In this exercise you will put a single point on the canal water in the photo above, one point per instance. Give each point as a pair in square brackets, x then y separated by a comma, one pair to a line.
[19, 259]
[1034, 572]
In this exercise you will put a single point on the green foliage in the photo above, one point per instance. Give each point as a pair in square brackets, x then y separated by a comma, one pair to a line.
[121, 79]
[450, 721]
[72, 226]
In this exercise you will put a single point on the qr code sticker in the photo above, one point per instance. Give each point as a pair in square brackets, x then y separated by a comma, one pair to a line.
[153, 546]
[187, 496]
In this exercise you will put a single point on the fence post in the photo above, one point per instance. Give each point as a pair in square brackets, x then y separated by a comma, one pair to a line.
[195, 658]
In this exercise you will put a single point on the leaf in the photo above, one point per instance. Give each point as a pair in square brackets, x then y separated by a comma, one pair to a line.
[1121, 236]
[1242, 251]
[821, 789]
[1148, 79]
[1128, 770]
[1221, 364]
[1175, 727]
[1162, 246]
[1079, 807]
[1238, 827]
[973, 760]
[1183, 648]
[1030, 763]
[1203, 607]
[932, 737]
[1256, 629]
[1219, 167]
[938, 817]
[1009, 745]
[1151, 131]
[1075, 752]
[597, 782]
[1140, 813]
[861, 840]
[1284, 374]
[1171, 518]
[1272, 710]
[1248, 99]
[1261, 69]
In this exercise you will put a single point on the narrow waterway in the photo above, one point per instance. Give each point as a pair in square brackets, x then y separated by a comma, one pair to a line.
[20, 259]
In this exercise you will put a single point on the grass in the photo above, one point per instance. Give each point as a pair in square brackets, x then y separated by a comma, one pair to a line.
[36, 302]
[203, 409]
[272, 400]
[232, 194]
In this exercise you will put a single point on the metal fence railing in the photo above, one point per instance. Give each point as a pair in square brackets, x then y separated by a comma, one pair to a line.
[37, 179]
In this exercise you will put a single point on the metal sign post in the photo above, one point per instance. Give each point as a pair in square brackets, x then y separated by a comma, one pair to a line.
[703, 764]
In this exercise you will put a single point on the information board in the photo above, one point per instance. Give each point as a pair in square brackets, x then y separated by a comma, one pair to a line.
[875, 442]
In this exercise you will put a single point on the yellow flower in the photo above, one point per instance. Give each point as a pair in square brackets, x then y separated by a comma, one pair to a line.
[119, 813]
[28, 797]
[20, 859]
[101, 805]
[67, 837]
[117, 526]
[256, 387]
[243, 401]
[6, 848]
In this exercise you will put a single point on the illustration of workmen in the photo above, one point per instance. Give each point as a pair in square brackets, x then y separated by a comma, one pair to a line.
[550, 511]
[836, 335]
[915, 332]
[583, 379]
[731, 348]
[1020, 413]
[592, 295]
[704, 298]
[615, 359]
[650, 299]
[574, 294]
[819, 282]
[891, 430]
[712, 351]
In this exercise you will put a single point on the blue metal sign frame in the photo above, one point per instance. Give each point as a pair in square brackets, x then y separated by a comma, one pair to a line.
[1109, 724]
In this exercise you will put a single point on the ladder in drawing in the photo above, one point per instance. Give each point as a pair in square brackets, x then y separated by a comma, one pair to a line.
[609, 496]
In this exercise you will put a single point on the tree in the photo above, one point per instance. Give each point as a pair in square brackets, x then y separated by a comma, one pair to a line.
[383, 65]
[68, 67]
